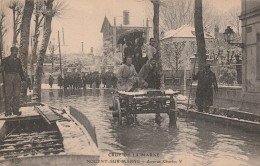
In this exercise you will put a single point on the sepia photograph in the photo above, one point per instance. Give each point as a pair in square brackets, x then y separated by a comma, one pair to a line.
[129, 82]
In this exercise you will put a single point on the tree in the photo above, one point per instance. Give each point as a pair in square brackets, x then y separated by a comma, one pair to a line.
[52, 49]
[173, 54]
[156, 21]
[180, 12]
[17, 7]
[48, 15]
[199, 30]
[177, 13]
[234, 19]
[38, 18]
[25, 34]
[51, 9]
[3, 29]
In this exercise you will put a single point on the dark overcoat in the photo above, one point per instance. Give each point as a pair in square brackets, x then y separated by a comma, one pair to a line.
[206, 82]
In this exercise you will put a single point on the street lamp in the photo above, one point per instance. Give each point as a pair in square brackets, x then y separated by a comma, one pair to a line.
[229, 36]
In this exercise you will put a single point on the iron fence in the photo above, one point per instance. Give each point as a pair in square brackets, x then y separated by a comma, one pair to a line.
[225, 75]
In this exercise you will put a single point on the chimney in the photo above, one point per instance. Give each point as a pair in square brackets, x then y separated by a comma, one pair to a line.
[126, 17]
[147, 22]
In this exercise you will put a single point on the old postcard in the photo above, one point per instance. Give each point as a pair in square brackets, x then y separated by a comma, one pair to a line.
[130, 82]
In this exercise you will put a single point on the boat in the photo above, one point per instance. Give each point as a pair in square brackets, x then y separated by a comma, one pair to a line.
[43, 135]
[225, 116]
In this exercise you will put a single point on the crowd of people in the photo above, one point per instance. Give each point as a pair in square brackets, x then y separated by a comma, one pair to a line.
[91, 80]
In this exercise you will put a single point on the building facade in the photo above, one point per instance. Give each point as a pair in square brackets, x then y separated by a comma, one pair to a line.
[250, 18]
[113, 28]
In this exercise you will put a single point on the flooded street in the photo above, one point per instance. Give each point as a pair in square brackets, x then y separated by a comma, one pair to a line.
[190, 142]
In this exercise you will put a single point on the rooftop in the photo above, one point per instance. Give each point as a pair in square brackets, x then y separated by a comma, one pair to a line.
[118, 21]
[185, 31]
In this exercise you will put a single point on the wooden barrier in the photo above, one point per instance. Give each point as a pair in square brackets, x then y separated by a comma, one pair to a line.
[81, 118]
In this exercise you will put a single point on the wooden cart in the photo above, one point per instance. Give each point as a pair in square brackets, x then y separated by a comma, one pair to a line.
[129, 104]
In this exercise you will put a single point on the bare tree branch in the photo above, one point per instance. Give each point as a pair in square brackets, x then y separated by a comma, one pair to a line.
[3, 29]
[17, 8]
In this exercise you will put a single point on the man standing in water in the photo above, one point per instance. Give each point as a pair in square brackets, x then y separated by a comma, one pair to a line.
[51, 80]
[204, 94]
[13, 76]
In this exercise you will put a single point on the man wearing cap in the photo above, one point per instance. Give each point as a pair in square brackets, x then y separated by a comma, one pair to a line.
[127, 76]
[151, 50]
[13, 76]
[149, 75]
[204, 94]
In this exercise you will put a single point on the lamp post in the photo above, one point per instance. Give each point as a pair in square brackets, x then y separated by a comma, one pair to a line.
[229, 37]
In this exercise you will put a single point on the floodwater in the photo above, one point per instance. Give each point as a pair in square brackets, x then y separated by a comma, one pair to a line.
[190, 142]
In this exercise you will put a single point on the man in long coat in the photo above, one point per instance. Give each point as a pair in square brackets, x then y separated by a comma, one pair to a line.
[204, 94]
[51, 80]
[60, 81]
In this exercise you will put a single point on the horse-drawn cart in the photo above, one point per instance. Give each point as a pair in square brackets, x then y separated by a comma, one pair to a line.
[129, 104]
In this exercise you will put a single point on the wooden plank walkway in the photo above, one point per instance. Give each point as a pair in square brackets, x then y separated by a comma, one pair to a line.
[28, 113]
[47, 114]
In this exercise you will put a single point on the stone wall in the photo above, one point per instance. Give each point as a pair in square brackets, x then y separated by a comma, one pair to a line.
[227, 96]
[233, 96]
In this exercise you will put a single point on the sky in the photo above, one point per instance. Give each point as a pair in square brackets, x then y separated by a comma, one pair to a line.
[83, 19]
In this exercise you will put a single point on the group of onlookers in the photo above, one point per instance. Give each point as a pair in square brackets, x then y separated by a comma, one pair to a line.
[91, 80]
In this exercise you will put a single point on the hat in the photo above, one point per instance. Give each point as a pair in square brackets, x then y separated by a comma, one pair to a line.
[14, 49]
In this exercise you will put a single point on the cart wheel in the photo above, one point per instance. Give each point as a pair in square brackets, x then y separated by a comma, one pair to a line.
[119, 111]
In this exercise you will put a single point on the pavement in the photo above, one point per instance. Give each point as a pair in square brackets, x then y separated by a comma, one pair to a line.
[55, 86]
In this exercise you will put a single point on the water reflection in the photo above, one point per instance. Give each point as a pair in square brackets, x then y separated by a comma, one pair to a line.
[194, 142]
